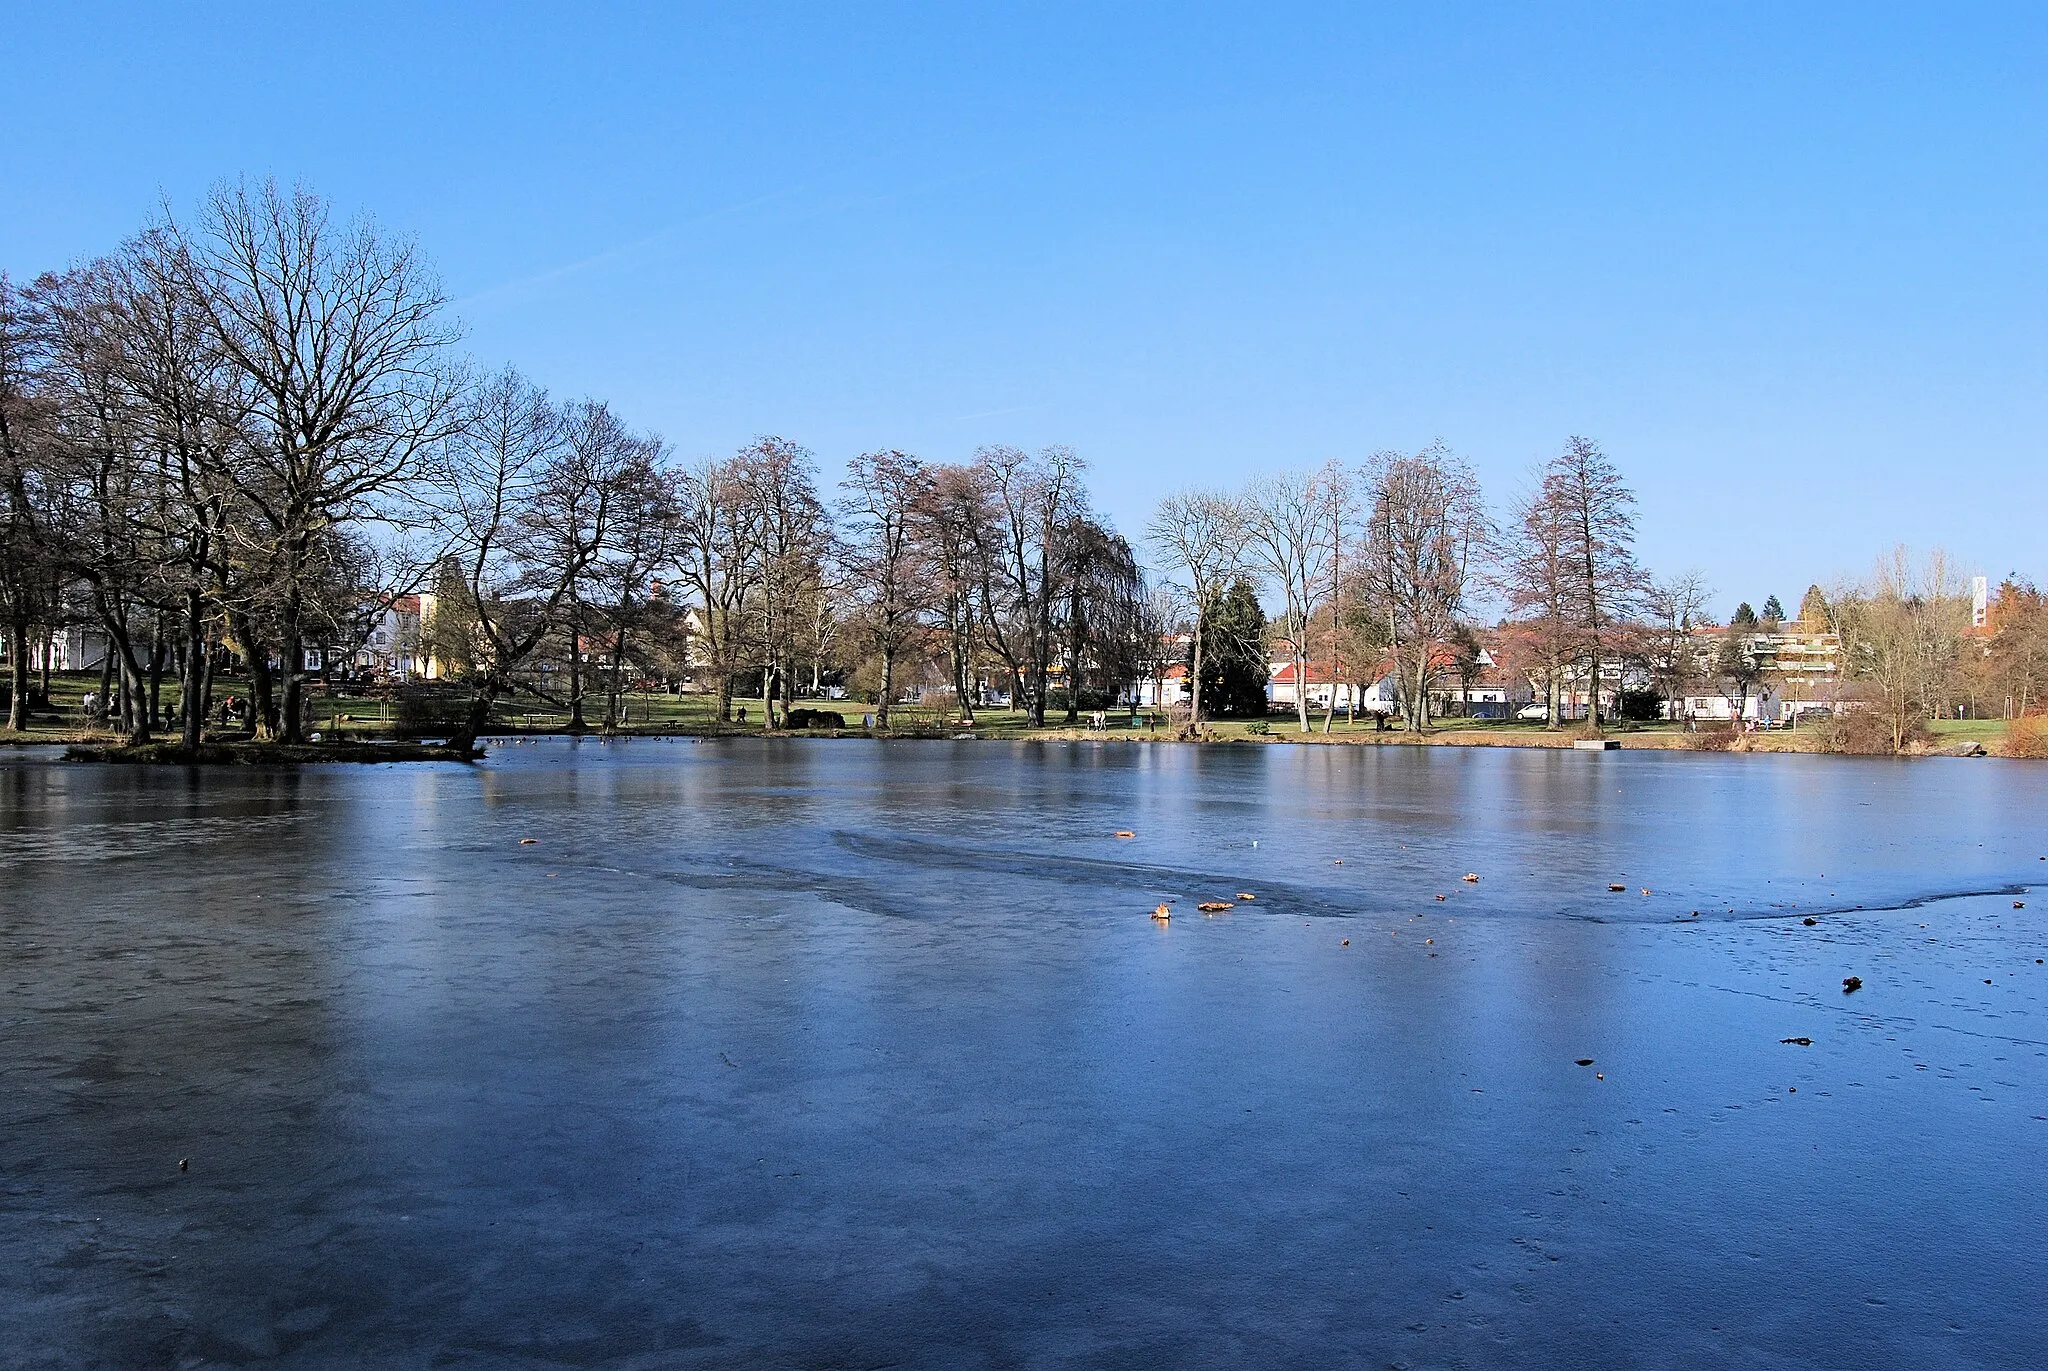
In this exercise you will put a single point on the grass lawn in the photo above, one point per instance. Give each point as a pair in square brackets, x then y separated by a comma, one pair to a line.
[1985, 731]
[357, 716]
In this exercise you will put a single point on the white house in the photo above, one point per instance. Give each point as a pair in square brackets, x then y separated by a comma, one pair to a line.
[1764, 705]
[1170, 688]
[1282, 693]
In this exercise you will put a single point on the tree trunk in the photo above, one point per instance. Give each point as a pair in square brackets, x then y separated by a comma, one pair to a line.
[478, 717]
[114, 622]
[1301, 688]
[963, 688]
[1076, 630]
[17, 671]
[206, 684]
[137, 715]
[156, 668]
[198, 664]
[888, 692]
[260, 711]
[1418, 713]
[1593, 690]
[576, 724]
[106, 677]
[288, 725]
[618, 672]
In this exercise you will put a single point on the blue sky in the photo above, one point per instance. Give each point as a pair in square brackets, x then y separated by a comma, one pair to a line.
[1785, 262]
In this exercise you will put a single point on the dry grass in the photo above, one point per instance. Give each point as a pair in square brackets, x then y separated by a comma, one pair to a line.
[2027, 738]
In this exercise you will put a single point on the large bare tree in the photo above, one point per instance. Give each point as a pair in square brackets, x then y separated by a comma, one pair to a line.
[1032, 499]
[954, 528]
[338, 332]
[1427, 529]
[1285, 521]
[1201, 533]
[892, 590]
[27, 553]
[643, 539]
[526, 515]
[778, 483]
[1594, 512]
[721, 565]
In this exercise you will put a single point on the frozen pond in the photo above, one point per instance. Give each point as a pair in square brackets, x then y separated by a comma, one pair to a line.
[841, 1054]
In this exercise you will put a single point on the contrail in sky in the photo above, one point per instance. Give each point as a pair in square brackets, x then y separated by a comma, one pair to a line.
[623, 250]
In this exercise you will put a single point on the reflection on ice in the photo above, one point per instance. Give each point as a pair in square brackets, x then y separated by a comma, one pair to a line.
[840, 1053]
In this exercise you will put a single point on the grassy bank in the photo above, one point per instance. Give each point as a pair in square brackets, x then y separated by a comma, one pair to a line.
[254, 754]
[347, 723]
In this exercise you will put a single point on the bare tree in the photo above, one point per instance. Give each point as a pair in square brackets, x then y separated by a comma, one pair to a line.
[1201, 533]
[885, 492]
[1676, 608]
[778, 480]
[1535, 581]
[721, 564]
[955, 528]
[27, 552]
[338, 333]
[1595, 514]
[193, 405]
[1427, 528]
[1284, 518]
[526, 516]
[107, 488]
[1902, 635]
[1340, 494]
[1032, 499]
[1102, 582]
[643, 538]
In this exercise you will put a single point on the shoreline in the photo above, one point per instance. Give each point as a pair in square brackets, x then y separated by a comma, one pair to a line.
[263, 754]
[89, 747]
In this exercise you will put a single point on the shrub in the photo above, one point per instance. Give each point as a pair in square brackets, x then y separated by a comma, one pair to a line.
[1864, 733]
[1714, 737]
[1258, 728]
[915, 721]
[1641, 706]
[2027, 737]
[426, 711]
[815, 718]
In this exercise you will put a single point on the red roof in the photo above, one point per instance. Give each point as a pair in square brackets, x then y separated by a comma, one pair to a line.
[1318, 674]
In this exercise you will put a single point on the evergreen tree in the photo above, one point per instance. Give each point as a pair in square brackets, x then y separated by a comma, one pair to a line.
[1234, 663]
[1745, 617]
[1773, 611]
